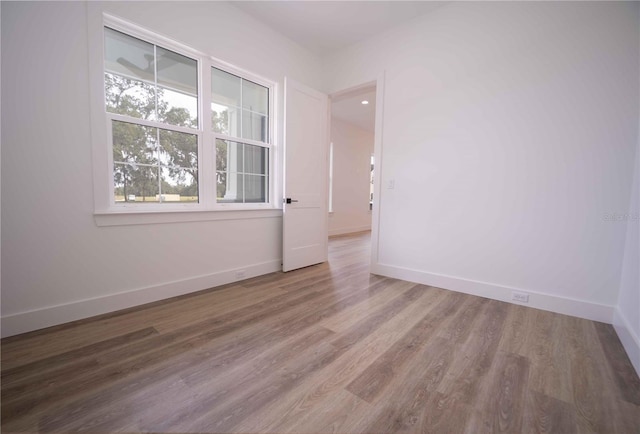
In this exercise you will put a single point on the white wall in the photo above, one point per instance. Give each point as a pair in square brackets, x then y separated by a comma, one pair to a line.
[510, 131]
[627, 314]
[352, 149]
[626, 319]
[57, 265]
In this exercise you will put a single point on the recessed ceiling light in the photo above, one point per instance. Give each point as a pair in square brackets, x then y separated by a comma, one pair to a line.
[365, 102]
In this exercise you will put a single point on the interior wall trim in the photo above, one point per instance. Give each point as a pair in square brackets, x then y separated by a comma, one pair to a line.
[59, 314]
[552, 303]
[630, 340]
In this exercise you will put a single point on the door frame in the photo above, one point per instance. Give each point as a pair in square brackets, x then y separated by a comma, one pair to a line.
[378, 82]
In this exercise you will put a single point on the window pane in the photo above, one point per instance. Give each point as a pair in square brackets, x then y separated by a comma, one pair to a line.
[225, 88]
[138, 83]
[134, 143]
[254, 126]
[242, 172]
[255, 97]
[221, 155]
[230, 187]
[177, 72]
[256, 160]
[255, 188]
[225, 120]
[129, 97]
[178, 149]
[128, 56]
[177, 108]
[177, 88]
[129, 75]
[135, 183]
[229, 162]
[179, 184]
[229, 156]
[221, 185]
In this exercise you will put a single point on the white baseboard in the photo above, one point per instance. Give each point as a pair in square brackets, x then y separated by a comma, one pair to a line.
[53, 315]
[630, 340]
[351, 230]
[538, 300]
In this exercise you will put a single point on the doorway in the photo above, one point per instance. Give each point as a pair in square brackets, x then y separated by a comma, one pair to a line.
[353, 120]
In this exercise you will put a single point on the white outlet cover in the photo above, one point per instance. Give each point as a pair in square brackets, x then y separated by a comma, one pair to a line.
[520, 296]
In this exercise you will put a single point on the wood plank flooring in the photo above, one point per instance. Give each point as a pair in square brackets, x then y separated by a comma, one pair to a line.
[329, 348]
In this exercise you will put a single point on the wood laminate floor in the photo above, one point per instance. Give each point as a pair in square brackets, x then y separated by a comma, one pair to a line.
[328, 348]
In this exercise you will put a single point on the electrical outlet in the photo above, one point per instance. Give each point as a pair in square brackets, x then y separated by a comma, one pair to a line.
[241, 274]
[520, 296]
[391, 184]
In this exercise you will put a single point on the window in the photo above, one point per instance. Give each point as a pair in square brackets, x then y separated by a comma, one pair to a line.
[240, 123]
[164, 152]
[151, 97]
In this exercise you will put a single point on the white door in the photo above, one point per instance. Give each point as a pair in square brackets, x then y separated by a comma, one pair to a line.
[304, 221]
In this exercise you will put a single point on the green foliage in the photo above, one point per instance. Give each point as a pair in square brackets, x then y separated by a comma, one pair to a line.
[221, 166]
[129, 97]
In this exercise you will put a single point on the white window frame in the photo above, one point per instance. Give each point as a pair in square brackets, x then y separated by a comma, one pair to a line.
[106, 211]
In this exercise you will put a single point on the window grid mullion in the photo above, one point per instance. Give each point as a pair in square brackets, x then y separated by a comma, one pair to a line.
[241, 140]
[155, 79]
[207, 147]
[241, 133]
[244, 176]
[158, 159]
[240, 111]
[151, 124]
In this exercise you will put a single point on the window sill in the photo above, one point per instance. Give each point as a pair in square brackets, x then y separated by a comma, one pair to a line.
[147, 217]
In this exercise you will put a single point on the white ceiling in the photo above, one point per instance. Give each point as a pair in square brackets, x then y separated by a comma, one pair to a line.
[349, 108]
[326, 26]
